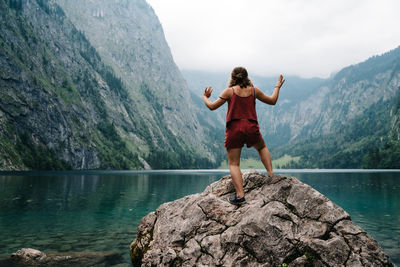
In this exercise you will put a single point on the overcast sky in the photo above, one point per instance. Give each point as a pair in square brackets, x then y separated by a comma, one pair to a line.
[309, 38]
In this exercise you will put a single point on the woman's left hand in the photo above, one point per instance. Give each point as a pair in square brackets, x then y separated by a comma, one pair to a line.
[207, 92]
[280, 81]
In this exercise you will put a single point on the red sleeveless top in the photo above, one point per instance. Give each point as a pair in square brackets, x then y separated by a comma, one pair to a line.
[241, 107]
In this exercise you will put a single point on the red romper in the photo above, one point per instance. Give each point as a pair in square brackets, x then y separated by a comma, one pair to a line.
[241, 121]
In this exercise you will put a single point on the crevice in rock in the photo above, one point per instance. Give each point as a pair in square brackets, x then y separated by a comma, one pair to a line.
[289, 259]
[292, 209]
[205, 251]
[225, 251]
[210, 218]
[279, 180]
[330, 229]
[285, 217]
[177, 261]
[326, 235]
[311, 256]
[250, 253]
[348, 255]
[138, 253]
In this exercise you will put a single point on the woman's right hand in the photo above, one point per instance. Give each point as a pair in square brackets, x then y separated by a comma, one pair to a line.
[280, 81]
[207, 92]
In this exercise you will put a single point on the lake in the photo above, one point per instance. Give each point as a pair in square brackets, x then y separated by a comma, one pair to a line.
[100, 210]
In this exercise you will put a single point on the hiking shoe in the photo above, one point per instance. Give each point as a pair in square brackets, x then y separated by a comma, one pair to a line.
[236, 201]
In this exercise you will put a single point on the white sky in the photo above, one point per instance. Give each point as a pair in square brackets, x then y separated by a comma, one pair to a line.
[307, 38]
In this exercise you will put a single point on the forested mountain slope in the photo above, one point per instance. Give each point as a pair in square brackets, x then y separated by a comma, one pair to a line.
[355, 119]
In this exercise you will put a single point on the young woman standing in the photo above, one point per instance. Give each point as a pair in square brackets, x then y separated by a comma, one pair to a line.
[241, 123]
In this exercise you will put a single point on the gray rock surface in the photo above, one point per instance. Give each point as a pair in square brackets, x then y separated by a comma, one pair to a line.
[33, 257]
[283, 222]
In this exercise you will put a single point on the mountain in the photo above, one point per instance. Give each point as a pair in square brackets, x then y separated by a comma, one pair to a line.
[129, 38]
[69, 100]
[355, 117]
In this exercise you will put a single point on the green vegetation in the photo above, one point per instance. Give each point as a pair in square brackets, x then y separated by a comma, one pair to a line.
[255, 163]
[178, 157]
[39, 157]
[15, 4]
[167, 150]
[285, 160]
[387, 157]
[11, 159]
[250, 163]
[113, 151]
[345, 148]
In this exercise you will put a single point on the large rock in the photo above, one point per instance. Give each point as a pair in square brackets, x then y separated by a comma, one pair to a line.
[33, 257]
[284, 222]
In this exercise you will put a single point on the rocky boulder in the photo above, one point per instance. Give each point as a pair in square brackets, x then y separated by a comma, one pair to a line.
[283, 223]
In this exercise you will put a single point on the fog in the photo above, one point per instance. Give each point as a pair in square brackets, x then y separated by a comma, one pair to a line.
[305, 38]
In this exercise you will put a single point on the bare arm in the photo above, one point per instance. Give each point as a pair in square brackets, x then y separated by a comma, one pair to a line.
[271, 100]
[217, 103]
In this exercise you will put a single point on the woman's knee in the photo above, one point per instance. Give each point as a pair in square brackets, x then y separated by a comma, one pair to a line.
[234, 163]
[234, 156]
[260, 145]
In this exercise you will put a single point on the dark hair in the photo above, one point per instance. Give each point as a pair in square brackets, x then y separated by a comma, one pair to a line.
[240, 77]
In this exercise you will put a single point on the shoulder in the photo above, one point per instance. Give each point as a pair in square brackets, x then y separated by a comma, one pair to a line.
[227, 93]
[257, 91]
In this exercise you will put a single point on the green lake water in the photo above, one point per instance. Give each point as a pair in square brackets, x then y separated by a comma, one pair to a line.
[99, 211]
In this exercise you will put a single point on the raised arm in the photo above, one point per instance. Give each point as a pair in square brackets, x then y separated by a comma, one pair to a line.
[225, 95]
[271, 100]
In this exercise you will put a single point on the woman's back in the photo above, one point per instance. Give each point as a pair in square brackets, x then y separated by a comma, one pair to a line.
[242, 104]
[243, 92]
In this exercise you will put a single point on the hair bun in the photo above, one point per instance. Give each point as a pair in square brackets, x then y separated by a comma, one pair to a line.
[238, 75]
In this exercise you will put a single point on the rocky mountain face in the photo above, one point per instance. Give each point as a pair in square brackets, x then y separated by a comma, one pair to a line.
[101, 91]
[283, 223]
[129, 38]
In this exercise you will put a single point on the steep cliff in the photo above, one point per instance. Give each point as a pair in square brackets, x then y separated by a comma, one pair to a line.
[129, 37]
[68, 103]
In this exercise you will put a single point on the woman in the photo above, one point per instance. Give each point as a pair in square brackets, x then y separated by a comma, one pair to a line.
[241, 123]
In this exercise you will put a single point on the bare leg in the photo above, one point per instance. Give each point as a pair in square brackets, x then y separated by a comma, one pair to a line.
[265, 157]
[234, 167]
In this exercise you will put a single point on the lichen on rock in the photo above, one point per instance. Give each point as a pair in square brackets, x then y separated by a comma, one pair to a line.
[283, 223]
